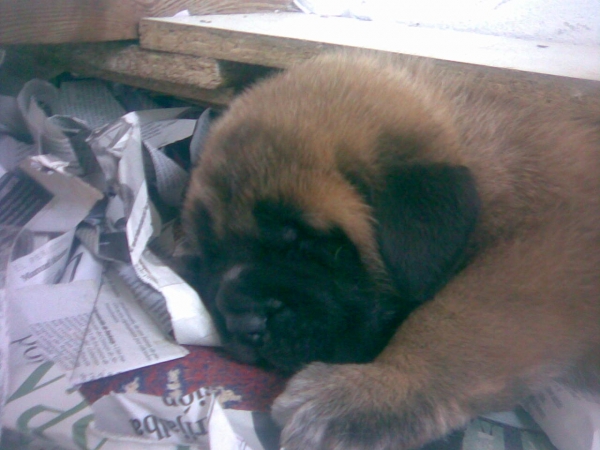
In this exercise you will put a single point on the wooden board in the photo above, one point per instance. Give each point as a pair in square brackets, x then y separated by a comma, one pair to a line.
[209, 97]
[127, 58]
[202, 80]
[281, 39]
[56, 21]
[192, 77]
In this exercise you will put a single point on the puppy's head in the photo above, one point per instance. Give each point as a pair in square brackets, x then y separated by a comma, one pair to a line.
[286, 259]
[316, 233]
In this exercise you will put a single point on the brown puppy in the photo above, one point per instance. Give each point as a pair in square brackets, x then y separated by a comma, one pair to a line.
[335, 198]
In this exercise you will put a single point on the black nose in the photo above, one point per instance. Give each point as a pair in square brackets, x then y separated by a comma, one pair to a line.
[248, 326]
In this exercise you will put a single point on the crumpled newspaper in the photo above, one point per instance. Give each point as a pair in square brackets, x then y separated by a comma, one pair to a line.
[88, 194]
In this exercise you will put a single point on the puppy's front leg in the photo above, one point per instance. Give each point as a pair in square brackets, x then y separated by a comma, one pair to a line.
[523, 313]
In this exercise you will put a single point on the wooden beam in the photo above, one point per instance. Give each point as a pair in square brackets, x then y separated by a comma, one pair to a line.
[59, 21]
[201, 79]
[127, 58]
[210, 97]
[192, 77]
[281, 39]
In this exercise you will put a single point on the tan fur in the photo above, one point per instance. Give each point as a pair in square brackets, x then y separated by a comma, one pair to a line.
[525, 310]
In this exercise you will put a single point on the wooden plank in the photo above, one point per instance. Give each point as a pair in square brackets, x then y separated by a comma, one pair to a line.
[211, 97]
[202, 80]
[191, 77]
[127, 58]
[281, 39]
[57, 21]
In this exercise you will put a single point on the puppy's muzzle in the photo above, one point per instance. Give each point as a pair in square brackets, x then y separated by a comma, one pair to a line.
[249, 327]
[244, 309]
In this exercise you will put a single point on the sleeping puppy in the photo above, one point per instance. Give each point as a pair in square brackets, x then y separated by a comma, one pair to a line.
[422, 249]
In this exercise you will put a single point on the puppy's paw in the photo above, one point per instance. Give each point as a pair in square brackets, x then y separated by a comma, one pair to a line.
[360, 407]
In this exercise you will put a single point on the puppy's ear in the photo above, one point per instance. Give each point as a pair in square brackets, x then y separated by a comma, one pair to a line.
[425, 215]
